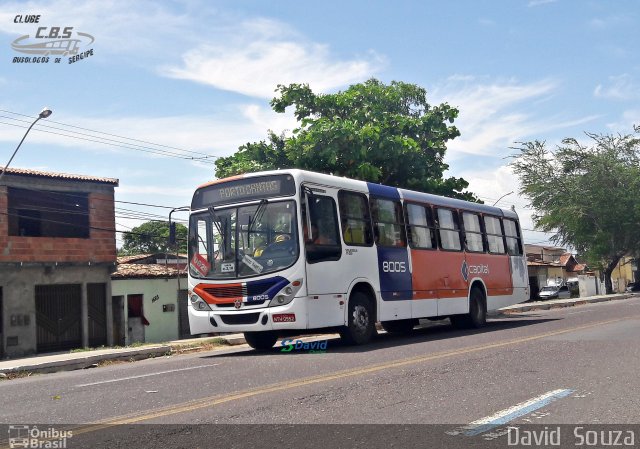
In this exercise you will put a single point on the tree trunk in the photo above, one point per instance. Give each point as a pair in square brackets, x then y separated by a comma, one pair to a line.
[607, 273]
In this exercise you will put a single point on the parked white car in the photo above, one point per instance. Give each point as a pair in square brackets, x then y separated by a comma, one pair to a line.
[554, 292]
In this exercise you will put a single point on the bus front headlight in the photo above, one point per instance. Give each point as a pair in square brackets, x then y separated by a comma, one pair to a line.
[198, 303]
[286, 295]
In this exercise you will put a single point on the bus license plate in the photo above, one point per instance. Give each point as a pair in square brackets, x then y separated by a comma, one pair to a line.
[284, 318]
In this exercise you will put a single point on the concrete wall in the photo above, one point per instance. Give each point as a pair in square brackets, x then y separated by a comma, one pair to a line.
[163, 326]
[18, 293]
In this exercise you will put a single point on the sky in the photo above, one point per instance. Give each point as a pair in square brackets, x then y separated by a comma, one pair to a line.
[165, 87]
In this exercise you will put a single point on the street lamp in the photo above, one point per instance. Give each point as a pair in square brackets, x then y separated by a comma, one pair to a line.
[46, 112]
[498, 200]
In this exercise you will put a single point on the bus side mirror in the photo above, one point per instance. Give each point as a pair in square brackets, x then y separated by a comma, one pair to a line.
[172, 233]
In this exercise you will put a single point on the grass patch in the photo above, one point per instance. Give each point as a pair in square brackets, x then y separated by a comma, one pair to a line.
[205, 344]
[16, 375]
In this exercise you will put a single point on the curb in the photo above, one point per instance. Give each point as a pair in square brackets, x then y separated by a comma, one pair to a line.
[558, 304]
[89, 361]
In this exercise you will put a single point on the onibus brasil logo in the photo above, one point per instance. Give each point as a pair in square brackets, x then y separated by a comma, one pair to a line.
[33, 437]
[56, 41]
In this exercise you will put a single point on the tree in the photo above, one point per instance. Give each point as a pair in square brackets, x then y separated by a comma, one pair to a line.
[380, 133]
[153, 237]
[587, 195]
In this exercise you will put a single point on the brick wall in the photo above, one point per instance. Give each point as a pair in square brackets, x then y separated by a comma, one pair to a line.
[100, 247]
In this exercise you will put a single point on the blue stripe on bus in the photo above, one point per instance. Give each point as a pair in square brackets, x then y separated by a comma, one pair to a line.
[395, 277]
[393, 262]
[256, 290]
[383, 191]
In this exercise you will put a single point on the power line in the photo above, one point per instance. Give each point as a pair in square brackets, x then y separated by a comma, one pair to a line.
[114, 143]
[109, 134]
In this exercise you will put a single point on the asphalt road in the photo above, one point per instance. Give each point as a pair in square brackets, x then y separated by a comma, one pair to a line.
[575, 365]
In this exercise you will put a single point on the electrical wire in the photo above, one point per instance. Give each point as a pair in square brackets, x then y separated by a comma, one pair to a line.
[115, 143]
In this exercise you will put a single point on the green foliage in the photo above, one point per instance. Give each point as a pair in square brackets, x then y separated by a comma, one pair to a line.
[380, 133]
[588, 196]
[153, 237]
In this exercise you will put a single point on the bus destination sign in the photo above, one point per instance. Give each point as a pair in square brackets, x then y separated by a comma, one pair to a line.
[244, 190]
[266, 188]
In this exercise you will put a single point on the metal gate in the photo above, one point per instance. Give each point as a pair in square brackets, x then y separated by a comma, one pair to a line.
[183, 315]
[96, 302]
[58, 317]
[1, 327]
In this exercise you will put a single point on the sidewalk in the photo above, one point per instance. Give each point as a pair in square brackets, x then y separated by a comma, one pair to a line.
[68, 361]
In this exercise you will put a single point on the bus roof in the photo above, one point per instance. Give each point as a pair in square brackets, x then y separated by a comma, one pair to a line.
[365, 187]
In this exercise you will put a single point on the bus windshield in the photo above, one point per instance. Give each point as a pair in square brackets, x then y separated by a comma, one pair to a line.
[246, 241]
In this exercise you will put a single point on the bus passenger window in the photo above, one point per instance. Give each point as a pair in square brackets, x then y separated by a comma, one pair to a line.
[388, 222]
[473, 232]
[355, 219]
[420, 226]
[449, 230]
[494, 235]
[514, 247]
[320, 229]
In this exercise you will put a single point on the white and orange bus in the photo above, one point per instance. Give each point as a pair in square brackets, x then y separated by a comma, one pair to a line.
[280, 252]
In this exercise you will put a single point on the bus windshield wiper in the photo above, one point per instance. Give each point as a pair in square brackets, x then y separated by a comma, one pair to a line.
[258, 215]
[216, 219]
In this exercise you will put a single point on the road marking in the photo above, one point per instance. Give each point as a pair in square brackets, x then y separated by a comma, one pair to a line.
[217, 400]
[144, 375]
[504, 416]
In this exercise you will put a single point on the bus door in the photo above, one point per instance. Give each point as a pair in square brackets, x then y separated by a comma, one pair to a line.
[326, 275]
[394, 265]
[519, 273]
[331, 265]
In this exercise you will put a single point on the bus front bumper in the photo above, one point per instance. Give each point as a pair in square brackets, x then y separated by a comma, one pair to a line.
[289, 316]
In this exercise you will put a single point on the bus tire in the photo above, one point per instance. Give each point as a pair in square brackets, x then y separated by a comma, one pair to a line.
[361, 324]
[477, 316]
[261, 341]
[399, 326]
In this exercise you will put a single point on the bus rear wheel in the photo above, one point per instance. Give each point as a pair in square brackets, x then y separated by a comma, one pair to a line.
[399, 326]
[261, 341]
[477, 316]
[361, 324]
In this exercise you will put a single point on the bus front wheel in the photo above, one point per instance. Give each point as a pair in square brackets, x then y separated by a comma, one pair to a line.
[361, 324]
[261, 341]
[477, 316]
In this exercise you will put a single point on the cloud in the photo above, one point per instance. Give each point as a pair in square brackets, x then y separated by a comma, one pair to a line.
[619, 87]
[260, 54]
[494, 115]
[217, 134]
[612, 21]
[624, 125]
[121, 28]
[534, 3]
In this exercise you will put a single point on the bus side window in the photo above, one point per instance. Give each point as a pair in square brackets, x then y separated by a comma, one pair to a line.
[421, 233]
[494, 234]
[473, 232]
[320, 229]
[514, 245]
[388, 222]
[449, 230]
[355, 219]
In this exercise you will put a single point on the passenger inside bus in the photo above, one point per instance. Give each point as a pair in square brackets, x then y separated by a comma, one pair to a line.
[317, 237]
